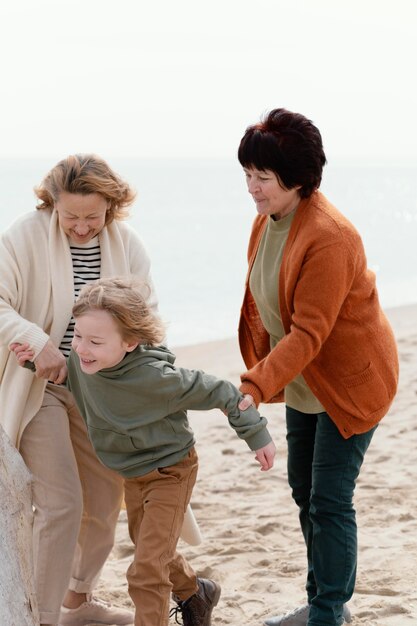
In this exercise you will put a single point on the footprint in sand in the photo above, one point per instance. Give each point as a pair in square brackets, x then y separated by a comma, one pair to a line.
[377, 586]
[252, 608]
[262, 585]
[266, 529]
[122, 550]
[378, 613]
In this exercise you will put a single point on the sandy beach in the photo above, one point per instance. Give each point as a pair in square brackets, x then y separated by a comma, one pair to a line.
[252, 544]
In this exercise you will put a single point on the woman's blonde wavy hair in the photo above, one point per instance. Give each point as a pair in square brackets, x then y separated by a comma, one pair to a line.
[122, 299]
[85, 174]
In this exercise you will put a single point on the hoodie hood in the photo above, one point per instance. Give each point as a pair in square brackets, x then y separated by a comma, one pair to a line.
[142, 355]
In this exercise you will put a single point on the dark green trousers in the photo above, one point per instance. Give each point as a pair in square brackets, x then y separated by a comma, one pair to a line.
[322, 472]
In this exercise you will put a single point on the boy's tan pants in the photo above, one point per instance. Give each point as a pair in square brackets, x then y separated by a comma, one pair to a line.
[155, 505]
[77, 502]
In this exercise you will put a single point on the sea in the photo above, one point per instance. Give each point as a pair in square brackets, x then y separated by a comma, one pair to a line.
[194, 217]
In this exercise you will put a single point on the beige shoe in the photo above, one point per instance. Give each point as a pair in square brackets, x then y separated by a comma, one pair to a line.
[95, 611]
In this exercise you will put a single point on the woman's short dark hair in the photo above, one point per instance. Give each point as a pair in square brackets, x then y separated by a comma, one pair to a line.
[288, 144]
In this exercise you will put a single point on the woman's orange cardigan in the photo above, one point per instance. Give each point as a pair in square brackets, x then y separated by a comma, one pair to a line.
[337, 336]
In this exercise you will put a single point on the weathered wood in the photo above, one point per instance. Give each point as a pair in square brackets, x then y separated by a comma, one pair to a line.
[18, 605]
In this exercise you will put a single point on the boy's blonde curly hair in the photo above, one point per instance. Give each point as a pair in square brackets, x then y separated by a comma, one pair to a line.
[122, 299]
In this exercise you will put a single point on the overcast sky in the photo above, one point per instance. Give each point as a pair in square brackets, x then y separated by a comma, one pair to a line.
[184, 78]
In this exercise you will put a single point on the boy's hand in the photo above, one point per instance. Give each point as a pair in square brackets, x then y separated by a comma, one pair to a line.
[265, 456]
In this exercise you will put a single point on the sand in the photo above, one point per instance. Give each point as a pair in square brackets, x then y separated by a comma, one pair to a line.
[252, 544]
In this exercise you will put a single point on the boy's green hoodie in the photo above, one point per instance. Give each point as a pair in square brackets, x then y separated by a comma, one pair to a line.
[136, 411]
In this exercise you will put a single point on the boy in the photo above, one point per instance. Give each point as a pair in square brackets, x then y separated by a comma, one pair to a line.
[134, 401]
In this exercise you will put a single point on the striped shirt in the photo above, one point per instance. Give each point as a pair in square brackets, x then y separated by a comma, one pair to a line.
[86, 266]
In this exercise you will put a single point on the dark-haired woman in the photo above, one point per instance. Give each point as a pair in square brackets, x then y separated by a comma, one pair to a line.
[312, 334]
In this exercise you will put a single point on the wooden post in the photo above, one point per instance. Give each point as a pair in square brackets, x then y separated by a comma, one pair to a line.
[18, 606]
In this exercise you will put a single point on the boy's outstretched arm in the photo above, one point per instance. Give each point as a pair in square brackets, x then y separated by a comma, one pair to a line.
[196, 390]
[265, 456]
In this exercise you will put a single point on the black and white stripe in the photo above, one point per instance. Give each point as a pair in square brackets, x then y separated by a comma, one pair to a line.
[86, 265]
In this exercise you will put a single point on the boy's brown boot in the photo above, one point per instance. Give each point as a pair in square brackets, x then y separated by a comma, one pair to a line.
[196, 611]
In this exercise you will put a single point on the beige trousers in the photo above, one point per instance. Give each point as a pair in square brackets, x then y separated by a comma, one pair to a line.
[156, 504]
[76, 502]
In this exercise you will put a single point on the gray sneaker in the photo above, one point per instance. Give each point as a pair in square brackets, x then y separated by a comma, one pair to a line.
[299, 617]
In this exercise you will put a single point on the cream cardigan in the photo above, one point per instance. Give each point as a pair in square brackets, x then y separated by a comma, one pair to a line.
[37, 295]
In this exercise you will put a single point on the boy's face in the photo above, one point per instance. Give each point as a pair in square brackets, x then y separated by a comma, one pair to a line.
[98, 342]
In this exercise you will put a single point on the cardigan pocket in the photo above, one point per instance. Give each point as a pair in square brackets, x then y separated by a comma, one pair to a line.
[367, 391]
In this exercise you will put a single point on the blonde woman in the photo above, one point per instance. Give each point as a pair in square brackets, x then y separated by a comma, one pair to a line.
[76, 234]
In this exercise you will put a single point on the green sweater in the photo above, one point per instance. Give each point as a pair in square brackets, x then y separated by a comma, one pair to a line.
[263, 284]
[136, 411]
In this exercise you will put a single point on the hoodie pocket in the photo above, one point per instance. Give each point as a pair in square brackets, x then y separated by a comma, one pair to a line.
[367, 391]
[110, 441]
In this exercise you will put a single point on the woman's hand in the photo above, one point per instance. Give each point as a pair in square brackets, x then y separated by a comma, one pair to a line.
[50, 362]
[246, 402]
[265, 456]
[22, 352]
